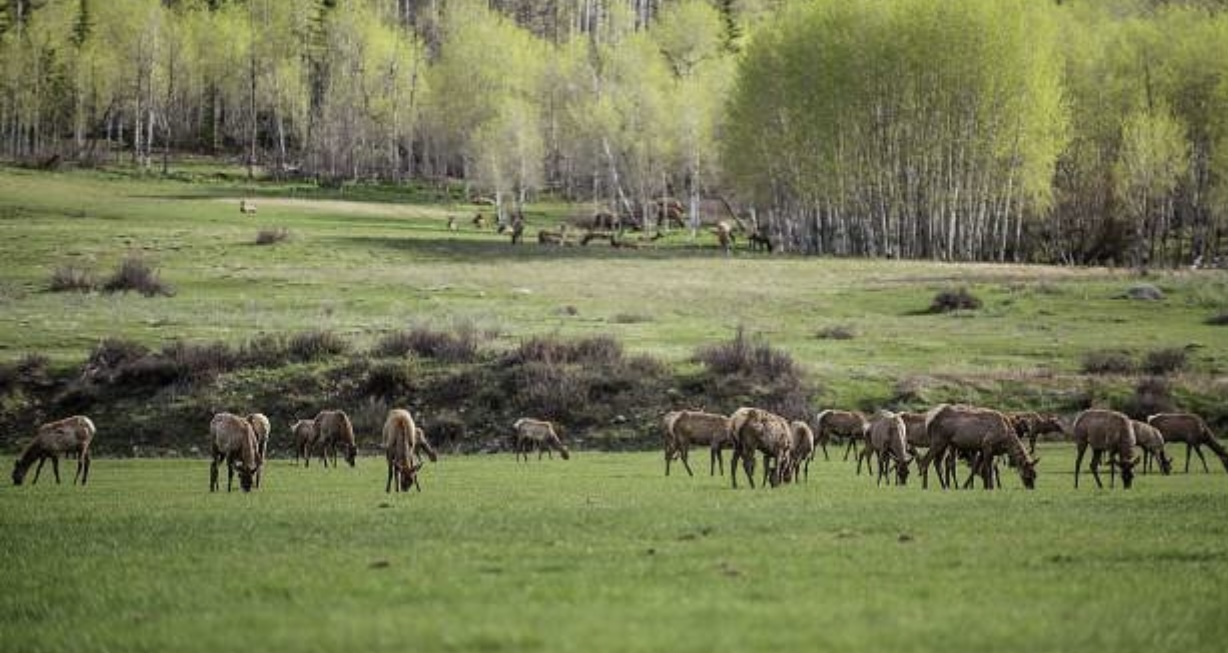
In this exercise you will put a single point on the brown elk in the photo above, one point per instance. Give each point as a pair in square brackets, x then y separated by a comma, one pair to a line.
[1194, 432]
[1105, 431]
[333, 430]
[982, 434]
[232, 439]
[532, 433]
[67, 436]
[887, 438]
[683, 428]
[400, 435]
[830, 424]
[756, 430]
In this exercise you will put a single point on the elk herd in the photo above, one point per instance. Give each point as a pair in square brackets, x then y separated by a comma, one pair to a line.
[891, 443]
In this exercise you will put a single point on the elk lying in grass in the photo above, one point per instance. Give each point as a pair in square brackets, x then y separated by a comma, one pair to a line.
[261, 427]
[539, 434]
[831, 424]
[1151, 441]
[1194, 432]
[980, 432]
[756, 430]
[400, 438]
[1105, 430]
[887, 438]
[333, 430]
[683, 428]
[67, 436]
[304, 432]
[232, 439]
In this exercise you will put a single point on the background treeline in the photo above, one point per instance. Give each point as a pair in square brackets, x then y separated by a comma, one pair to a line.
[1083, 132]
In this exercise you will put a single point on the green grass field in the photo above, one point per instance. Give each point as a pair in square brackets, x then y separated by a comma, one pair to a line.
[603, 553]
[600, 553]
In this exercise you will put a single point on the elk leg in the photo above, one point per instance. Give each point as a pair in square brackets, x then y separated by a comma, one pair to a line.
[823, 446]
[733, 468]
[213, 475]
[848, 448]
[1197, 450]
[1079, 462]
[685, 451]
[39, 470]
[667, 459]
[748, 465]
[1095, 465]
[230, 473]
[388, 484]
[55, 468]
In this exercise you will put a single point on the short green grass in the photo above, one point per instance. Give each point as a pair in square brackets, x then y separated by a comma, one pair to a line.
[366, 261]
[604, 553]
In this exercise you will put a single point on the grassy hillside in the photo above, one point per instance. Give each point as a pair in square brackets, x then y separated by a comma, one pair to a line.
[603, 553]
[363, 262]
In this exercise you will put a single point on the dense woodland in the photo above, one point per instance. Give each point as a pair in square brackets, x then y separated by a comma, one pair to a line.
[1068, 131]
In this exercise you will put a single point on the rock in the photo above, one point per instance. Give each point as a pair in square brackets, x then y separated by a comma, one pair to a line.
[1144, 292]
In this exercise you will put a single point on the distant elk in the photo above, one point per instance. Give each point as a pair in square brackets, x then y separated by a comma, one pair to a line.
[683, 428]
[334, 431]
[304, 433]
[831, 424]
[1194, 432]
[70, 436]
[539, 434]
[1151, 441]
[888, 439]
[757, 430]
[1105, 431]
[232, 439]
[400, 434]
[247, 206]
[1031, 425]
[982, 434]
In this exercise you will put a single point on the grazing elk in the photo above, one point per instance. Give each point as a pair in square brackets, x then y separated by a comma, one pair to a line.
[540, 434]
[400, 437]
[333, 430]
[304, 432]
[67, 436]
[1193, 431]
[801, 451]
[682, 428]
[261, 427]
[982, 434]
[1032, 425]
[1151, 441]
[831, 424]
[232, 439]
[887, 438]
[756, 430]
[1105, 430]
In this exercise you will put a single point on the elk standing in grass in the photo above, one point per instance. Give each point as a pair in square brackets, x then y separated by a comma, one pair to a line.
[261, 427]
[802, 450]
[67, 436]
[888, 438]
[831, 424]
[1105, 430]
[400, 436]
[232, 439]
[683, 428]
[1193, 431]
[534, 433]
[334, 430]
[1151, 441]
[756, 430]
[304, 432]
[982, 434]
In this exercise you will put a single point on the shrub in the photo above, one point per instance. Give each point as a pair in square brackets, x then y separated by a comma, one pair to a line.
[1107, 361]
[70, 278]
[1219, 319]
[269, 350]
[111, 354]
[743, 357]
[630, 318]
[272, 235]
[136, 275]
[201, 362]
[460, 346]
[1164, 361]
[390, 380]
[954, 300]
[597, 350]
[1152, 395]
[311, 346]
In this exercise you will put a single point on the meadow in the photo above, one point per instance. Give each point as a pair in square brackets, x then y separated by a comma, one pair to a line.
[604, 553]
[601, 552]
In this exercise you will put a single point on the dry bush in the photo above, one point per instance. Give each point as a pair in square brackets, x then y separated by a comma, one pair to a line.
[390, 380]
[1108, 361]
[1152, 395]
[741, 356]
[954, 300]
[272, 235]
[596, 350]
[269, 350]
[1165, 361]
[836, 333]
[70, 278]
[458, 346]
[134, 274]
[311, 346]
